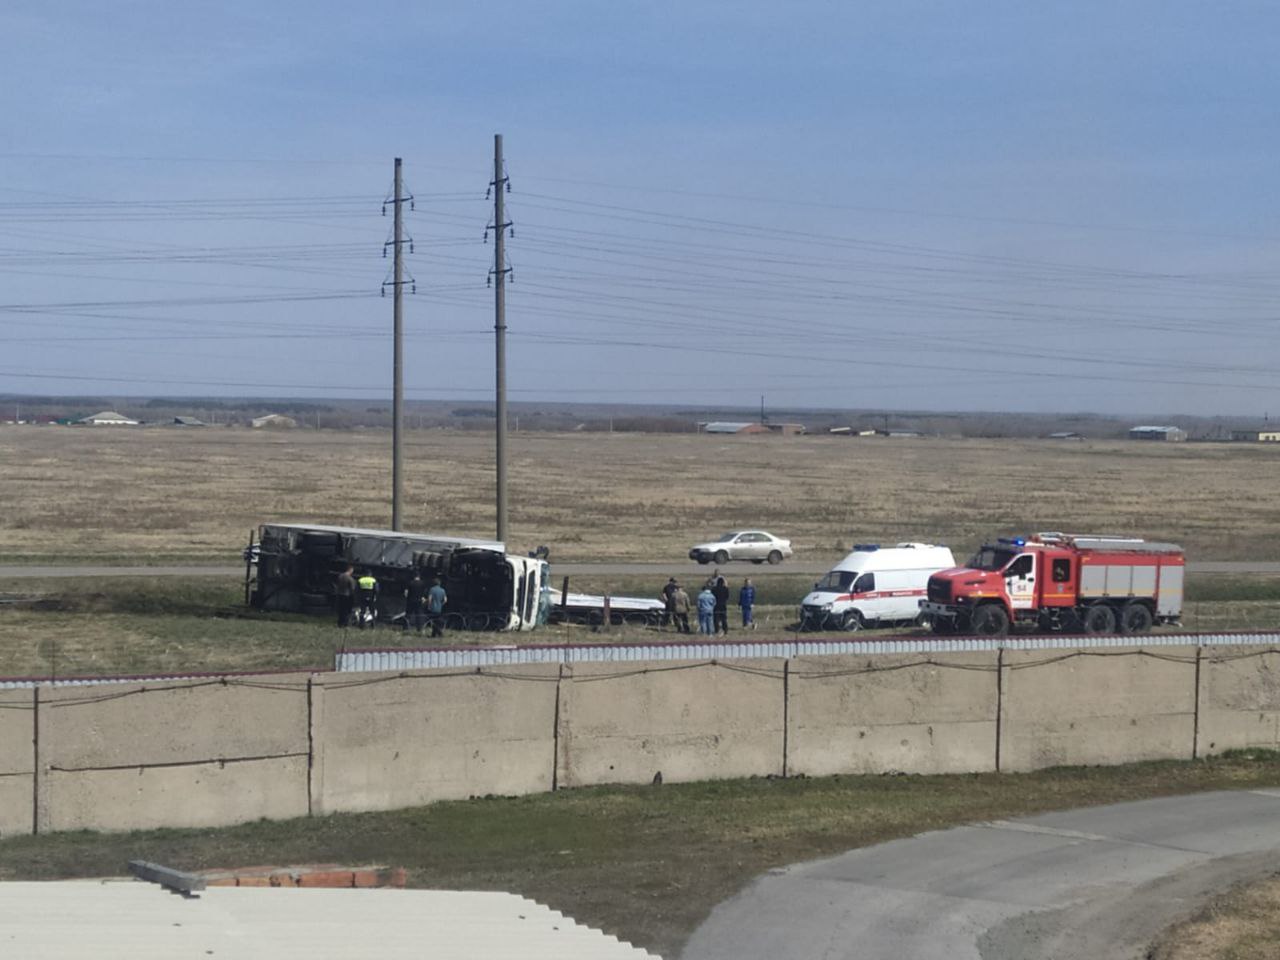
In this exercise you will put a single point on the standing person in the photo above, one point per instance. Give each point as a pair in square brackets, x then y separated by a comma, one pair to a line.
[367, 584]
[721, 593]
[680, 609]
[706, 611]
[344, 592]
[668, 602]
[415, 603]
[747, 600]
[436, 599]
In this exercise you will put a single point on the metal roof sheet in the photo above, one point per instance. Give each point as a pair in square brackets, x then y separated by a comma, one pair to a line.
[70, 920]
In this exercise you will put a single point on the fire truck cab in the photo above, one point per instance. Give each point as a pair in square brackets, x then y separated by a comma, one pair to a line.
[1059, 582]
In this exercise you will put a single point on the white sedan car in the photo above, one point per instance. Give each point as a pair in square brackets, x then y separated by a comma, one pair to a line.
[754, 545]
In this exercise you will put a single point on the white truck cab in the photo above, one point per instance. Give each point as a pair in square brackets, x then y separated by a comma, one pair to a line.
[874, 584]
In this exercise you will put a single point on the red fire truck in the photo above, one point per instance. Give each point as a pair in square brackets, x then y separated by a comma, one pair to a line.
[1059, 582]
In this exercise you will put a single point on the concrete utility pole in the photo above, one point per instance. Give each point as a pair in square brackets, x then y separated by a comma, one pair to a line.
[397, 362]
[500, 271]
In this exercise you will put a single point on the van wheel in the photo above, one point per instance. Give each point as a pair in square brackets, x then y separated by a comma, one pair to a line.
[775, 557]
[851, 621]
[1100, 619]
[1135, 618]
[721, 557]
[990, 621]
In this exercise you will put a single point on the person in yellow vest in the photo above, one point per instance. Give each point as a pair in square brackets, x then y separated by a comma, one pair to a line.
[367, 584]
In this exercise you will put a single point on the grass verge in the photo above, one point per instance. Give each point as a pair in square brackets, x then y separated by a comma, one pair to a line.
[647, 863]
[1241, 924]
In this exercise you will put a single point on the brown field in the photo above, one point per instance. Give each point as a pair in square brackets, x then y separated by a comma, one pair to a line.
[165, 494]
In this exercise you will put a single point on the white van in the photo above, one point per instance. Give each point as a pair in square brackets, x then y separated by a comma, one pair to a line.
[874, 584]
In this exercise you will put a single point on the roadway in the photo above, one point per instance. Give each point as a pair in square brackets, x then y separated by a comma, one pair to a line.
[1078, 885]
[659, 571]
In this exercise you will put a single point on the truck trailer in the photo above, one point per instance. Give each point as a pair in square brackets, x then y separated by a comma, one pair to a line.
[1072, 583]
[292, 567]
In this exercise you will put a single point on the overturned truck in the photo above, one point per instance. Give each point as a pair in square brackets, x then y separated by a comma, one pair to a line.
[293, 567]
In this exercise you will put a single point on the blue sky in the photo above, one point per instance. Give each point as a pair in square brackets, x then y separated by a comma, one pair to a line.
[908, 205]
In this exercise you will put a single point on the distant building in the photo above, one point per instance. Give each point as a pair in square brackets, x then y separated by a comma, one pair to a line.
[733, 426]
[108, 418]
[274, 421]
[1256, 436]
[786, 429]
[1168, 434]
[1065, 435]
[187, 422]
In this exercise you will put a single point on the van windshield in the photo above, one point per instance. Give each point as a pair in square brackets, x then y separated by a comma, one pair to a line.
[991, 558]
[838, 581]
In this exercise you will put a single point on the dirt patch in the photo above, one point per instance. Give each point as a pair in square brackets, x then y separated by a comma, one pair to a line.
[1241, 924]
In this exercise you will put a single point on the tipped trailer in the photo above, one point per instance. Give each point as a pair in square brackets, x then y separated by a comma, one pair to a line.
[1058, 582]
[293, 567]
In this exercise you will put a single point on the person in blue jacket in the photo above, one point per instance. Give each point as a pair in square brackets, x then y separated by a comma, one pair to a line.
[747, 600]
[706, 611]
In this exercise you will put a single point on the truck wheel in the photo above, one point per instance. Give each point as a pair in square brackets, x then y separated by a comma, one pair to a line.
[775, 557]
[1100, 619]
[944, 626]
[990, 621]
[721, 557]
[851, 621]
[1135, 618]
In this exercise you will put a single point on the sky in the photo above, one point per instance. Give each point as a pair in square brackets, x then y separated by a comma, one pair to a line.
[907, 206]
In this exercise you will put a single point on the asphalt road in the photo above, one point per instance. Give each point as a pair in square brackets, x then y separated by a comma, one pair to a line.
[1098, 882]
[656, 570]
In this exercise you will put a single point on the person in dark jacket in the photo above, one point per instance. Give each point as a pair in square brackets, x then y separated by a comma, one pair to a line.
[747, 600]
[415, 603]
[721, 618]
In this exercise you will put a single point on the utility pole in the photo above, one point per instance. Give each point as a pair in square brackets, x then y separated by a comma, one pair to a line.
[500, 186]
[397, 363]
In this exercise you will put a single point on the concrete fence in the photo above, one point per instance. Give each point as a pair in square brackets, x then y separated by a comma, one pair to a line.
[210, 752]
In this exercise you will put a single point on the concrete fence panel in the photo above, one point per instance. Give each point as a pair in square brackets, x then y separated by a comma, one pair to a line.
[1239, 700]
[906, 713]
[17, 760]
[179, 754]
[626, 723]
[1121, 706]
[397, 740]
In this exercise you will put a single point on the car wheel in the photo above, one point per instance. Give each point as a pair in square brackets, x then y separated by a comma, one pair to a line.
[990, 621]
[1135, 618]
[1100, 619]
[721, 557]
[757, 561]
[775, 557]
[703, 559]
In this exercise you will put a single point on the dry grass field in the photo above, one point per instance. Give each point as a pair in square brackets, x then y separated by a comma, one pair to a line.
[155, 494]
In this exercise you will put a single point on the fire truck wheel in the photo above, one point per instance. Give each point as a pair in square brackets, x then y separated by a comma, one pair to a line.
[1100, 619]
[944, 626]
[990, 621]
[1135, 618]
[852, 620]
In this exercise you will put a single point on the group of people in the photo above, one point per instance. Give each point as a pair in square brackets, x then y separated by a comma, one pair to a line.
[423, 602]
[711, 604]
